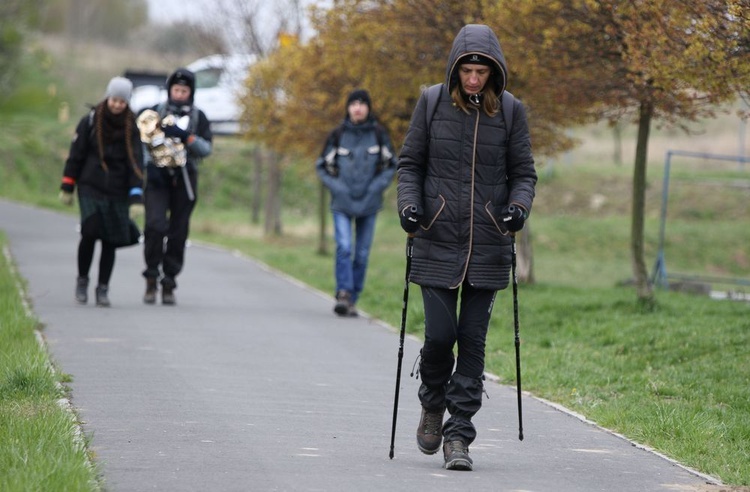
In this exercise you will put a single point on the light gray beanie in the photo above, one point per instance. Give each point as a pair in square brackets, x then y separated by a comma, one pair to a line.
[120, 87]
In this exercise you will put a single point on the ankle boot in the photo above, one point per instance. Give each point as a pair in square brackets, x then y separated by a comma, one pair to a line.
[343, 302]
[167, 291]
[82, 288]
[101, 295]
[430, 431]
[150, 296]
[456, 455]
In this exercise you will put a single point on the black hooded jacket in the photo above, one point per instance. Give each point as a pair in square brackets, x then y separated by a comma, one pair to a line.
[462, 173]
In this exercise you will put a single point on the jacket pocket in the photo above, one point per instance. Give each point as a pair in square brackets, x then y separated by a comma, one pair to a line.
[489, 208]
[438, 206]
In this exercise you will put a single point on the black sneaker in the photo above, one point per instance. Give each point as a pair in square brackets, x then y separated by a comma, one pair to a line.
[102, 299]
[430, 431]
[82, 287]
[456, 455]
[343, 303]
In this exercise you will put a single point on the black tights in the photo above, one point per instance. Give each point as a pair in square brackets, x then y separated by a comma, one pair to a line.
[86, 256]
[444, 328]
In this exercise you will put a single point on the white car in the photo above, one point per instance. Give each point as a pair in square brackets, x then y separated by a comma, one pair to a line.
[219, 84]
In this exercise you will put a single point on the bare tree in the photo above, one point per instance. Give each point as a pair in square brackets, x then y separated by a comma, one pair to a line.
[251, 28]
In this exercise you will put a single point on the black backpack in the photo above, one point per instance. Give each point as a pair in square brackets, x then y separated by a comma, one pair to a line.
[433, 97]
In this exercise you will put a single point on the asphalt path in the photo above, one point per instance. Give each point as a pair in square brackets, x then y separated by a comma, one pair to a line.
[251, 383]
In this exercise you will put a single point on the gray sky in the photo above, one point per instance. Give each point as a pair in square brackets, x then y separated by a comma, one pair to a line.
[166, 10]
[196, 10]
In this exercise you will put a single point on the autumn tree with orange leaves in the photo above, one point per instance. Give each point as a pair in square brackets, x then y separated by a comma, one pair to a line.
[391, 48]
[647, 60]
[570, 61]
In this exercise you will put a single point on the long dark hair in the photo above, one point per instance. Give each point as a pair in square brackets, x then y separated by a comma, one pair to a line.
[490, 100]
[129, 119]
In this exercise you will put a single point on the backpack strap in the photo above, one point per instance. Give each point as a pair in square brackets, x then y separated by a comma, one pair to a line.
[194, 120]
[92, 128]
[336, 136]
[509, 111]
[433, 98]
[384, 154]
[329, 159]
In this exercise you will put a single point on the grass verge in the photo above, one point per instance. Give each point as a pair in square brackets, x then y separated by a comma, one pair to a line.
[41, 445]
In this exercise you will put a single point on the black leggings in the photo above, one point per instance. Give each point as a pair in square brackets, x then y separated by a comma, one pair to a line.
[460, 391]
[86, 256]
[444, 328]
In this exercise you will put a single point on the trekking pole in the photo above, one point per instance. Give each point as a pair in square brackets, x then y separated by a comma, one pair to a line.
[409, 244]
[517, 338]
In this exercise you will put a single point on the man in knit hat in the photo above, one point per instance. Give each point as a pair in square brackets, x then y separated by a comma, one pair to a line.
[171, 192]
[357, 165]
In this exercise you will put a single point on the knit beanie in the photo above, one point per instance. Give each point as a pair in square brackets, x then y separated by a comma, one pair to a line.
[476, 59]
[119, 87]
[359, 95]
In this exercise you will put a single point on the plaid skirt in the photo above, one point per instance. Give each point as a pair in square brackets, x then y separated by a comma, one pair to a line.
[107, 220]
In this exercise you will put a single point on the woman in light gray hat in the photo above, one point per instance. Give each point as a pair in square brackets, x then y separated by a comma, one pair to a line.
[105, 164]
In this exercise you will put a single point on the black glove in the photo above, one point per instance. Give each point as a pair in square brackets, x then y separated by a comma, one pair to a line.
[175, 131]
[410, 217]
[513, 217]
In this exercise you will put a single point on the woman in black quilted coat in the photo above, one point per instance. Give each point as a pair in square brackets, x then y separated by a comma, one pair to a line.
[105, 164]
[465, 182]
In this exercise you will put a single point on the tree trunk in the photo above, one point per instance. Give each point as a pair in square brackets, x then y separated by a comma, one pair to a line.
[525, 256]
[323, 215]
[257, 193]
[643, 287]
[273, 197]
[617, 134]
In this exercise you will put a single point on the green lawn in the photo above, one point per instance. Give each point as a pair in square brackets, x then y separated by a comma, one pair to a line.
[41, 446]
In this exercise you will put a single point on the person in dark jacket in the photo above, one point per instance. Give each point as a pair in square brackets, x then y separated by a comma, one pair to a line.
[464, 185]
[172, 189]
[357, 165]
[105, 163]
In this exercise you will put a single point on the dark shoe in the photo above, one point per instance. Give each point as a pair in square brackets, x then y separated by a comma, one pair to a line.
[167, 291]
[101, 295]
[82, 290]
[456, 455]
[343, 302]
[167, 296]
[430, 431]
[352, 312]
[150, 296]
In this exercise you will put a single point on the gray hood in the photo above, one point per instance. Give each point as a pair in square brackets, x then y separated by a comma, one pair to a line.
[477, 39]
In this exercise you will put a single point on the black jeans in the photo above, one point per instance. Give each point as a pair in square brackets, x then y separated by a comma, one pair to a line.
[445, 327]
[168, 210]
